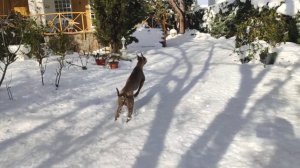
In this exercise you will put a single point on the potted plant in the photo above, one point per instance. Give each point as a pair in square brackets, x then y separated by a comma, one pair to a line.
[100, 59]
[113, 61]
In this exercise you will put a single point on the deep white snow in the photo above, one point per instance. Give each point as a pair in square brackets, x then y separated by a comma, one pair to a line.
[285, 7]
[199, 108]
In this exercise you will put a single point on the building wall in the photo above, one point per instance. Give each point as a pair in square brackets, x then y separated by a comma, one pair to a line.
[17, 5]
[36, 8]
[5, 7]
[49, 6]
[79, 6]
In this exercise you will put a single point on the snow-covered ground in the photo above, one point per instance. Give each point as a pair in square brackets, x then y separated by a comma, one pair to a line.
[199, 108]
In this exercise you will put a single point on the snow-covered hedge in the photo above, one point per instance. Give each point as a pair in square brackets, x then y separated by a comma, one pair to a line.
[285, 7]
[250, 21]
[224, 18]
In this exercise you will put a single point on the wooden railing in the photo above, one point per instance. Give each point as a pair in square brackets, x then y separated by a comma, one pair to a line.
[3, 16]
[66, 22]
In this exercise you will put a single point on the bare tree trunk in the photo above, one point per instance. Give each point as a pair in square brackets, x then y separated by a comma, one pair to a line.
[3, 74]
[164, 29]
[179, 8]
[42, 70]
[58, 71]
[114, 47]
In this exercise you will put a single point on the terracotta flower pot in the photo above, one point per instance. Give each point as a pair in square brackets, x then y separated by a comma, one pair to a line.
[113, 65]
[100, 61]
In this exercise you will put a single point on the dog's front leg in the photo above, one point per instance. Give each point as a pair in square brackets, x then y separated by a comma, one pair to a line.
[130, 108]
[141, 85]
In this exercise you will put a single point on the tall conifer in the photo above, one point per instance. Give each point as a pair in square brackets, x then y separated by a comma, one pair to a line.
[118, 18]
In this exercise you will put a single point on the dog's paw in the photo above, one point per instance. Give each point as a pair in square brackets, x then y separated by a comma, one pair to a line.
[128, 119]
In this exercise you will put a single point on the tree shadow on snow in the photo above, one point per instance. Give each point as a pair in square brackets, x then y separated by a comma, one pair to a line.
[169, 99]
[208, 150]
[279, 132]
[32, 147]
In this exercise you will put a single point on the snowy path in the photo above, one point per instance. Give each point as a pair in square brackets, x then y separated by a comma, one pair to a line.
[199, 108]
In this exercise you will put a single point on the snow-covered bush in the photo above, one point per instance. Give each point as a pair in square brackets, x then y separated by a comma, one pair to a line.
[195, 20]
[294, 28]
[252, 21]
[221, 19]
[115, 19]
[39, 49]
[218, 19]
[12, 32]
[224, 19]
[60, 44]
[266, 25]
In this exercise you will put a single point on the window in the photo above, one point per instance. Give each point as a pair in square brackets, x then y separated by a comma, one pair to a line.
[63, 6]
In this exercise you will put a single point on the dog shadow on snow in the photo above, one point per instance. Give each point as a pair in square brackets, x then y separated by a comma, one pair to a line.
[280, 133]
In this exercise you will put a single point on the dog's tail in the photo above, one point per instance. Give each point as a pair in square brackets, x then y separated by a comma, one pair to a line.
[118, 93]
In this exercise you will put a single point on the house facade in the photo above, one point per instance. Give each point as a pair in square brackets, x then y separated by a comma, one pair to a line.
[68, 16]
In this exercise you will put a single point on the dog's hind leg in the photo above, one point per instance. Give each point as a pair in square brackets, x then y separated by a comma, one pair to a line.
[118, 112]
[130, 108]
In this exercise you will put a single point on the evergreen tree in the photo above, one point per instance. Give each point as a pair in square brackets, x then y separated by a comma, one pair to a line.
[118, 18]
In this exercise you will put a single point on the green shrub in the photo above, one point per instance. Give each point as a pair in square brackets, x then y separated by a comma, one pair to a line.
[60, 44]
[267, 26]
[118, 18]
[293, 34]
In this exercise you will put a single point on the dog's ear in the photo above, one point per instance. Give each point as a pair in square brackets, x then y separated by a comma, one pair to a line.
[144, 58]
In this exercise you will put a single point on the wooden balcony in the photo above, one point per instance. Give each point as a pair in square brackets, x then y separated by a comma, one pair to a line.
[67, 22]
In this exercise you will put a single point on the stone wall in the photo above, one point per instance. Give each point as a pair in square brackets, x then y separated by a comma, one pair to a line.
[85, 42]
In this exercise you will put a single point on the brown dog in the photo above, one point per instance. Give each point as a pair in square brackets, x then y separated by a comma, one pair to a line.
[135, 81]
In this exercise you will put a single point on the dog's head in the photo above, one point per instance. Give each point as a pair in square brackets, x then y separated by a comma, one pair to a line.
[141, 59]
